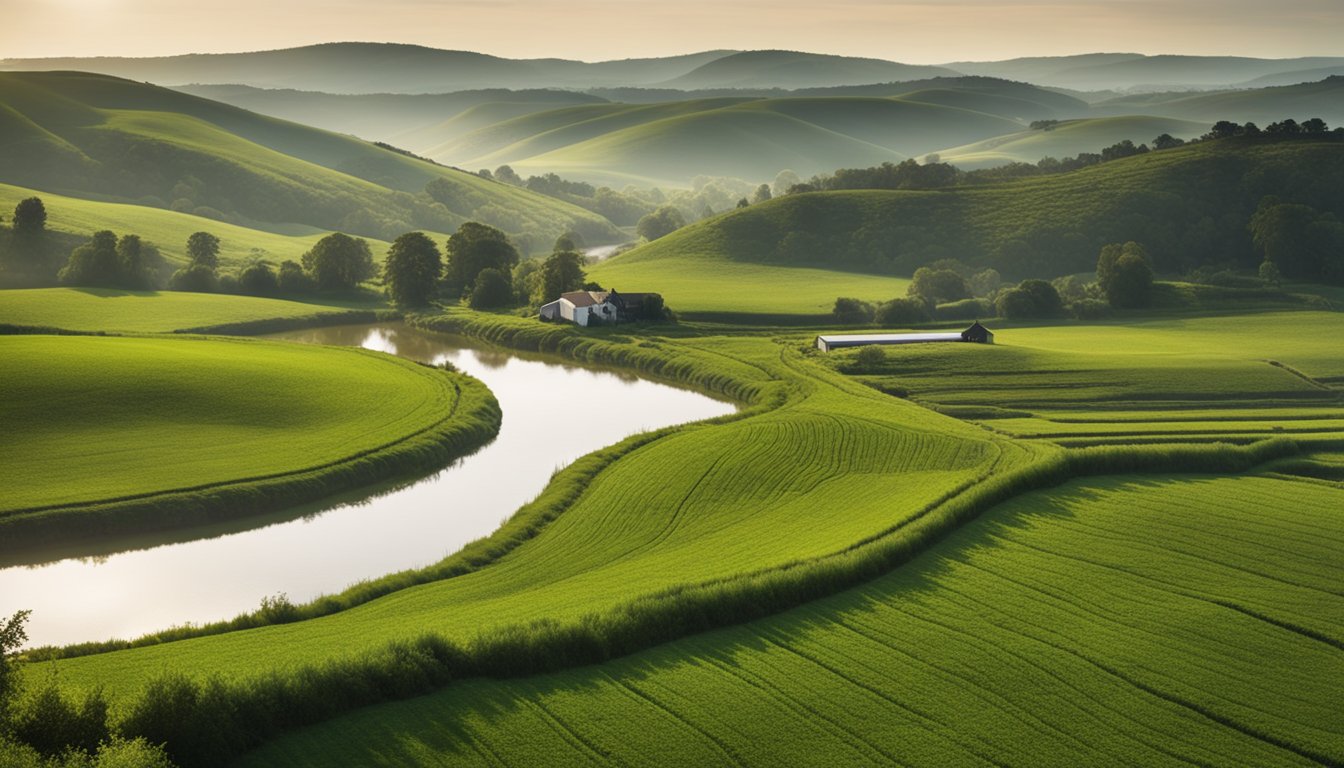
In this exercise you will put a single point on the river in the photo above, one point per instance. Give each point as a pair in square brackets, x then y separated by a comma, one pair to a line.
[554, 412]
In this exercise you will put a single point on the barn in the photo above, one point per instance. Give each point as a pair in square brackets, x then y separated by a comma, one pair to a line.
[976, 334]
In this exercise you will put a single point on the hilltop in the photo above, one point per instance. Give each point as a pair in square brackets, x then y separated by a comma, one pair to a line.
[1067, 139]
[795, 69]
[103, 138]
[1323, 98]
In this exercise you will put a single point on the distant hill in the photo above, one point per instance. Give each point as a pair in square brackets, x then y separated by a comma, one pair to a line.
[1293, 78]
[1323, 99]
[754, 139]
[1067, 139]
[1188, 206]
[794, 69]
[1124, 71]
[99, 137]
[386, 116]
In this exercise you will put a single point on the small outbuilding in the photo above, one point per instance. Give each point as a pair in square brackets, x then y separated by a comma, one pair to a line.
[976, 334]
[587, 307]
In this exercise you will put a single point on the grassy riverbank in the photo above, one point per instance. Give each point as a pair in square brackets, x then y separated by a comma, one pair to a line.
[117, 434]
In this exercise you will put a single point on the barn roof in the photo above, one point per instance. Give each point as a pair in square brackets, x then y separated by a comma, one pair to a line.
[859, 339]
[585, 298]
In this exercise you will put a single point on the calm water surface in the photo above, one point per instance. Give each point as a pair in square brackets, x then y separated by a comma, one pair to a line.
[554, 412]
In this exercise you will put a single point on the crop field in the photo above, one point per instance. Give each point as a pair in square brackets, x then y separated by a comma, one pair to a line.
[105, 309]
[90, 419]
[1186, 620]
[697, 286]
[756, 492]
[1228, 378]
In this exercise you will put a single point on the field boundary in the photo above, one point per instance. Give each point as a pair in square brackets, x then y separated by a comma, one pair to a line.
[471, 421]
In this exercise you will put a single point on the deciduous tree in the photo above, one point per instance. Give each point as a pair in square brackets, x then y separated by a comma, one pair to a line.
[411, 270]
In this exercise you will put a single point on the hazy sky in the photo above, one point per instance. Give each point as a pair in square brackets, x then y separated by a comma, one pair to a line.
[917, 32]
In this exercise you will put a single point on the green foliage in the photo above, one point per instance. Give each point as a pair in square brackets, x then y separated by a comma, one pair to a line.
[196, 278]
[339, 262]
[475, 247]
[1303, 242]
[52, 724]
[258, 279]
[660, 223]
[13, 635]
[30, 217]
[902, 312]
[1125, 275]
[105, 262]
[851, 311]
[1030, 299]
[561, 272]
[291, 278]
[492, 290]
[203, 249]
[1269, 273]
[938, 285]
[411, 270]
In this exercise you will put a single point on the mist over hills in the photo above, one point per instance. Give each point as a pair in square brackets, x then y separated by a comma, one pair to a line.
[398, 68]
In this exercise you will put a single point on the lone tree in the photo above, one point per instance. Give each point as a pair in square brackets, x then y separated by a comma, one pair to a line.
[562, 271]
[492, 290]
[203, 249]
[472, 248]
[30, 217]
[412, 270]
[339, 261]
[663, 221]
[138, 262]
[1125, 275]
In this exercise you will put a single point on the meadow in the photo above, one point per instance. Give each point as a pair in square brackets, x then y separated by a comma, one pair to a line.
[116, 433]
[110, 309]
[1140, 620]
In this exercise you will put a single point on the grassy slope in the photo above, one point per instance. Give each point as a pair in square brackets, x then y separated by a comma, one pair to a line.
[74, 132]
[169, 229]
[755, 492]
[696, 284]
[99, 309]
[1299, 101]
[1061, 220]
[670, 143]
[90, 419]
[1118, 620]
[1067, 140]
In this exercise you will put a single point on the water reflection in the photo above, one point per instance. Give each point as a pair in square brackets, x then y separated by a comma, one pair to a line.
[137, 585]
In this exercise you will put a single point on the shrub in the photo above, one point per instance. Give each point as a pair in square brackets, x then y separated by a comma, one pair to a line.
[909, 311]
[1090, 309]
[258, 279]
[938, 285]
[1030, 299]
[493, 289]
[197, 278]
[292, 279]
[966, 309]
[870, 357]
[852, 311]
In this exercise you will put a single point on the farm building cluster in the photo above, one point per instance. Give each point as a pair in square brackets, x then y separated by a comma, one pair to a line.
[976, 334]
[595, 307]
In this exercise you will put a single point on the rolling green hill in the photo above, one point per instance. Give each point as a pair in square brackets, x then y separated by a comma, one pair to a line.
[670, 143]
[1187, 205]
[93, 136]
[1100, 71]
[1323, 98]
[394, 118]
[796, 69]
[1067, 139]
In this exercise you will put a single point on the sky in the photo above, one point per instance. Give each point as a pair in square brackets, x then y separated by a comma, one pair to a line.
[933, 31]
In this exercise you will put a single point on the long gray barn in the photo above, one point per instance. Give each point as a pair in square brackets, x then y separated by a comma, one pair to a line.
[976, 334]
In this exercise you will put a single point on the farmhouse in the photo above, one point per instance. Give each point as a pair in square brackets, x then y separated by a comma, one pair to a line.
[589, 307]
[977, 334]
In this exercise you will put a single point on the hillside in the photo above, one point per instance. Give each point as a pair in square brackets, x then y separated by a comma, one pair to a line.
[1323, 98]
[796, 69]
[1067, 139]
[1101, 71]
[99, 137]
[1042, 226]
[392, 117]
[753, 139]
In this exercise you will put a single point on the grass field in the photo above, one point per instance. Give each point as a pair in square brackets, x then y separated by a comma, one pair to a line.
[696, 285]
[93, 422]
[1067, 139]
[1148, 622]
[104, 309]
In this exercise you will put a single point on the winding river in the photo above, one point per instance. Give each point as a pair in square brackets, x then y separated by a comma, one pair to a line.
[554, 412]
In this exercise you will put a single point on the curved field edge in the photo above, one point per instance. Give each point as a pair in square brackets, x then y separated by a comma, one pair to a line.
[472, 420]
[1128, 620]
[210, 722]
[316, 692]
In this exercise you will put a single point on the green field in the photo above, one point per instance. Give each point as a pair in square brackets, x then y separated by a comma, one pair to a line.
[695, 284]
[1177, 621]
[93, 419]
[105, 309]
[1043, 226]
[1067, 139]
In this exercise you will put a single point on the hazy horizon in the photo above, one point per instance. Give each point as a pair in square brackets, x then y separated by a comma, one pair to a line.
[600, 30]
